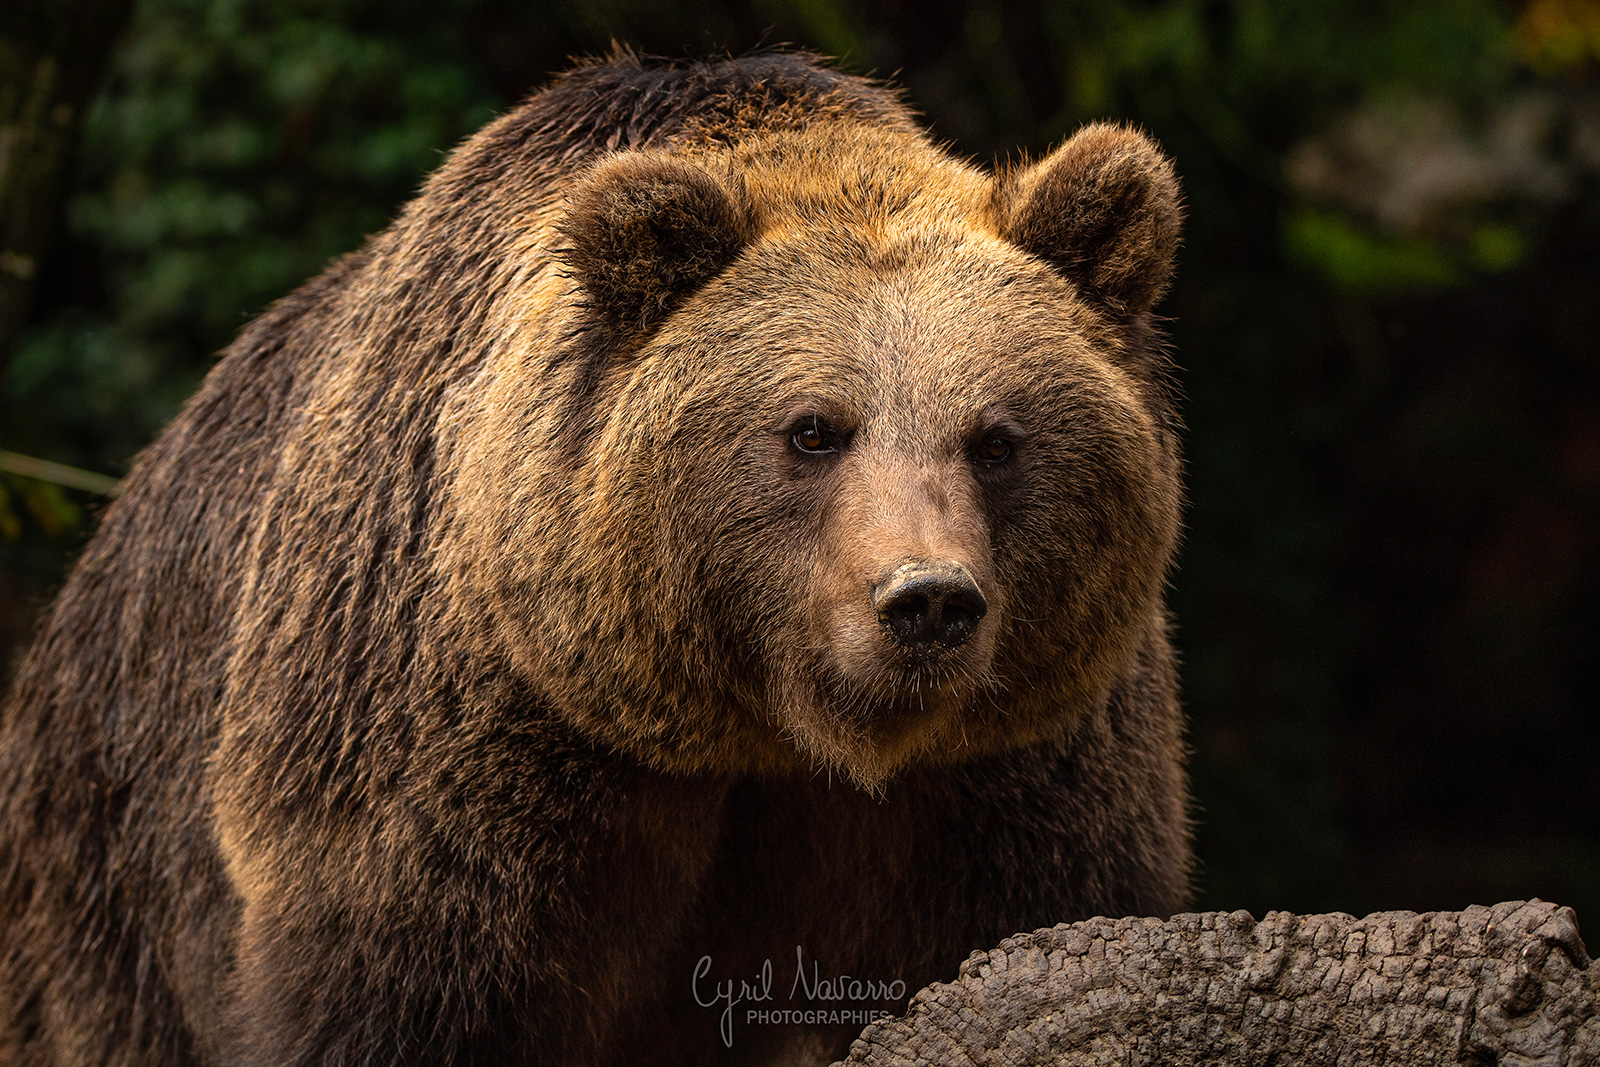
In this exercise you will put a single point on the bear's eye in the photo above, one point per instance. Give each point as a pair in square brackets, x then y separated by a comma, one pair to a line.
[993, 450]
[815, 438]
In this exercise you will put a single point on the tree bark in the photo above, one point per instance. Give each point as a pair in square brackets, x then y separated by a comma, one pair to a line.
[1511, 985]
[52, 53]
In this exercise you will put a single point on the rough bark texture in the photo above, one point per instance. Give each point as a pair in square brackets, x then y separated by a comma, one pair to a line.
[52, 53]
[1511, 984]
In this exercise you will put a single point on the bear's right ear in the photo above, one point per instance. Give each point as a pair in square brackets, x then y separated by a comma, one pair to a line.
[644, 231]
[1104, 209]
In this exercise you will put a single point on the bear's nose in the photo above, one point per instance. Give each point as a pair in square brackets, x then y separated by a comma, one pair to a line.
[926, 604]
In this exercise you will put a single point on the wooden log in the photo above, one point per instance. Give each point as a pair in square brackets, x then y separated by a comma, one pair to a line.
[1509, 984]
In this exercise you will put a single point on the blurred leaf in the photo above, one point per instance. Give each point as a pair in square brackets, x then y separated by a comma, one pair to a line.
[1555, 35]
[1355, 258]
[10, 523]
[46, 504]
[1497, 248]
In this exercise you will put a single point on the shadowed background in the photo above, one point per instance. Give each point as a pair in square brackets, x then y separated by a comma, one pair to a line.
[1387, 311]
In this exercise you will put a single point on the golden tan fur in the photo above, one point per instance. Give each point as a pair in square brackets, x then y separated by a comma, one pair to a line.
[479, 650]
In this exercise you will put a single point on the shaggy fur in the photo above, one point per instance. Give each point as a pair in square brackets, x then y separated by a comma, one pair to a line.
[479, 650]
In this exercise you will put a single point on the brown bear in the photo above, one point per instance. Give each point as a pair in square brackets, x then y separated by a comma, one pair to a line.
[684, 585]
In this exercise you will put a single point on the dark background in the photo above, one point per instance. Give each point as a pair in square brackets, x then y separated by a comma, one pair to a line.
[1387, 310]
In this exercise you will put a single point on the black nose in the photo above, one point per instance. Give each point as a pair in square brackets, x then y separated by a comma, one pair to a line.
[926, 605]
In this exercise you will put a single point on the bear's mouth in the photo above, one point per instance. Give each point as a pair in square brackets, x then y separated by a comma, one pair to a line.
[871, 735]
[904, 697]
[925, 684]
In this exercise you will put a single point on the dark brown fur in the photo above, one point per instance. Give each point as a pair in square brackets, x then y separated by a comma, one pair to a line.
[476, 653]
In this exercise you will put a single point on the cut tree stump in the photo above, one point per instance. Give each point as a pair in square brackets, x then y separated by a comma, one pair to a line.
[1510, 985]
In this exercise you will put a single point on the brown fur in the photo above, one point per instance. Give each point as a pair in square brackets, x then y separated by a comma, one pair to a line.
[476, 652]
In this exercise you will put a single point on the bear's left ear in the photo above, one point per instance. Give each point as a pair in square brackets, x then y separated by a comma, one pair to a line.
[1105, 210]
[644, 231]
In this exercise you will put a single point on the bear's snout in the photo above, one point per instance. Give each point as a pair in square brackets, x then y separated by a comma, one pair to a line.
[928, 605]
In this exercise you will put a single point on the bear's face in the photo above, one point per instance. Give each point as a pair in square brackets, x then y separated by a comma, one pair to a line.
[876, 480]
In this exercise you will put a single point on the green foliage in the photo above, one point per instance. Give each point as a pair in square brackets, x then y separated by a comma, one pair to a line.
[239, 145]
[45, 503]
[1357, 259]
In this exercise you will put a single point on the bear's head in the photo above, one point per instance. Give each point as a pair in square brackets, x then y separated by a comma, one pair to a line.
[849, 455]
